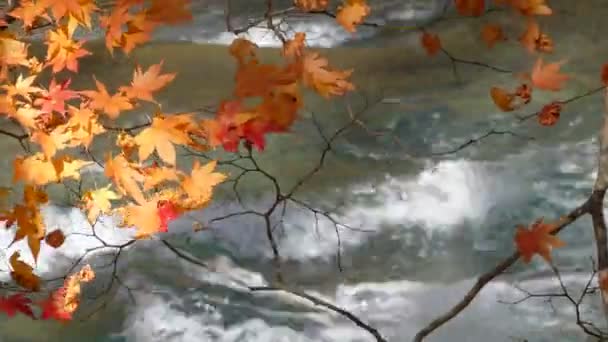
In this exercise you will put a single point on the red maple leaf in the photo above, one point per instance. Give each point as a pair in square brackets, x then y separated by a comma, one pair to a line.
[54, 99]
[52, 309]
[167, 213]
[11, 305]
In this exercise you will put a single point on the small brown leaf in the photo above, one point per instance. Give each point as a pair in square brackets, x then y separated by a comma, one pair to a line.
[55, 238]
[549, 114]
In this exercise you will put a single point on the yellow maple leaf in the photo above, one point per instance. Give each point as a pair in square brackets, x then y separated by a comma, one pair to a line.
[146, 83]
[200, 183]
[162, 134]
[97, 202]
[125, 176]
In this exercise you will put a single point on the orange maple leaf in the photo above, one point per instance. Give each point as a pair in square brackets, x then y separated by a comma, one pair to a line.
[548, 77]
[145, 217]
[146, 83]
[294, 47]
[111, 105]
[320, 77]
[254, 79]
[537, 240]
[534, 40]
[134, 36]
[63, 52]
[113, 25]
[351, 13]
[28, 11]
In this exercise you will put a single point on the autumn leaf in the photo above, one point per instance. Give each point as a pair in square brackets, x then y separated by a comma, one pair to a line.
[548, 76]
[243, 50]
[15, 303]
[167, 212]
[22, 87]
[22, 273]
[55, 238]
[431, 43]
[62, 303]
[82, 126]
[63, 52]
[470, 7]
[227, 127]
[51, 142]
[51, 307]
[351, 13]
[502, 99]
[112, 24]
[97, 202]
[254, 79]
[280, 107]
[162, 134]
[125, 176]
[146, 83]
[54, 99]
[537, 239]
[134, 36]
[323, 79]
[35, 170]
[549, 114]
[28, 11]
[294, 48]
[156, 175]
[145, 217]
[535, 40]
[200, 183]
[13, 52]
[30, 225]
[524, 92]
[111, 105]
[491, 34]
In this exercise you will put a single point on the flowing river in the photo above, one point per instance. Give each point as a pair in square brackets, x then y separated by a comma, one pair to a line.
[422, 223]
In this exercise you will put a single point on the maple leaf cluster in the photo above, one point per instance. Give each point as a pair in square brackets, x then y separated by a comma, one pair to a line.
[145, 185]
[59, 120]
[278, 89]
[544, 76]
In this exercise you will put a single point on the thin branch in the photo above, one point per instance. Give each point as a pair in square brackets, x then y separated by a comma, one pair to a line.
[485, 278]
[317, 301]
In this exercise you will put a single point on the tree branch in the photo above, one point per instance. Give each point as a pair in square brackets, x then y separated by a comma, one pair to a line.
[597, 208]
[485, 278]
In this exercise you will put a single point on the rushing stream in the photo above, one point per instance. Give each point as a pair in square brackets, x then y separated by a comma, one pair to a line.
[422, 225]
